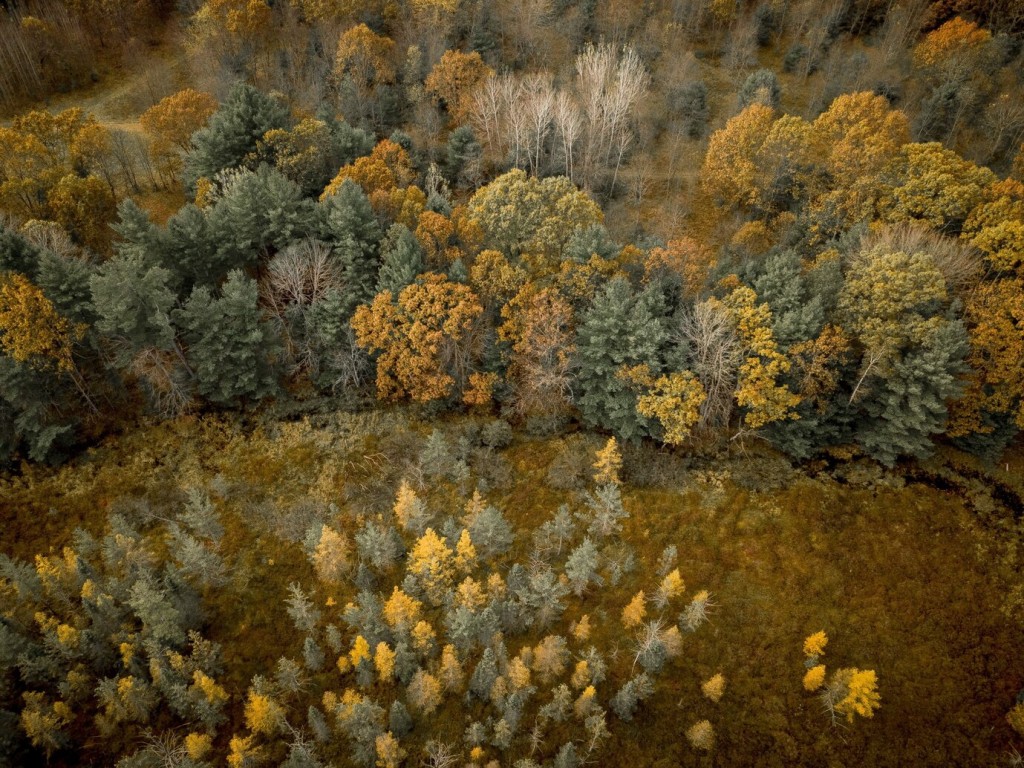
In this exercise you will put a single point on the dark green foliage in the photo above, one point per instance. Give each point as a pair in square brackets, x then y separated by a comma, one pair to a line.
[399, 720]
[233, 132]
[464, 155]
[352, 229]
[798, 313]
[592, 241]
[258, 213]
[362, 727]
[766, 21]
[907, 407]
[135, 230]
[230, 348]
[484, 675]
[760, 87]
[64, 280]
[31, 421]
[793, 57]
[301, 610]
[941, 112]
[402, 259]
[581, 567]
[625, 701]
[190, 249]
[689, 104]
[491, 533]
[17, 254]
[496, 434]
[312, 655]
[350, 143]
[133, 301]
[621, 328]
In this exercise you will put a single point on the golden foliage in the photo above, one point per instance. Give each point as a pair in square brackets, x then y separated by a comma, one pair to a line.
[360, 651]
[31, 330]
[424, 692]
[450, 671]
[757, 387]
[421, 338]
[1015, 717]
[263, 715]
[634, 613]
[814, 678]
[586, 702]
[858, 136]
[84, 207]
[385, 169]
[539, 327]
[434, 232]
[208, 687]
[401, 611]
[172, 121]
[198, 745]
[453, 79]
[955, 48]
[714, 687]
[701, 735]
[389, 753]
[817, 364]
[933, 184]
[729, 173]
[465, 553]
[608, 463]
[686, 259]
[814, 645]
[432, 564]
[862, 697]
[331, 557]
[384, 662]
[364, 56]
[994, 312]
[673, 400]
[581, 629]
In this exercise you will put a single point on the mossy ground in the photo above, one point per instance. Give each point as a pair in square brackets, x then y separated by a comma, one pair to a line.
[917, 582]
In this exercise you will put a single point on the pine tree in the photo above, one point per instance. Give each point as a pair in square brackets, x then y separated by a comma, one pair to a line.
[233, 132]
[399, 720]
[760, 87]
[625, 701]
[230, 348]
[581, 567]
[258, 213]
[401, 259]
[351, 227]
[620, 329]
[133, 301]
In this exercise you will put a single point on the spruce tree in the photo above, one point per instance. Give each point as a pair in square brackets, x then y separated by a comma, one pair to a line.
[233, 132]
[260, 212]
[191, 249]
[401, 259]
[351, 227]
[230, 347]
[620, 329]
[132, 299]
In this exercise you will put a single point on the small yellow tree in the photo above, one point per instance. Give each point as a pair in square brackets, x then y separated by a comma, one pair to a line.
[633, 614]
[608, 464]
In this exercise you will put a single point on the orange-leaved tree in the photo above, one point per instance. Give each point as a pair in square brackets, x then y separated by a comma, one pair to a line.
[426, 339]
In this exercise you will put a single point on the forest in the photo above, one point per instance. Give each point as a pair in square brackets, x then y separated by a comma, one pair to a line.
[469, 383]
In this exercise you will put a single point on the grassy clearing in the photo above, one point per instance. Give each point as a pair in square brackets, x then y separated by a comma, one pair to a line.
[905, 577]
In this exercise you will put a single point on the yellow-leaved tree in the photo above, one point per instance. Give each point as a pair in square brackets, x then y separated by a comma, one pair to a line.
[426, 340]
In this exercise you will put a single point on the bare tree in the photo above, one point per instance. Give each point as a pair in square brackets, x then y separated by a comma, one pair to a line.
[710, 334]
[538, 108]
[568, 121]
